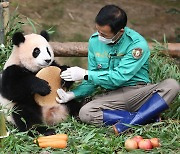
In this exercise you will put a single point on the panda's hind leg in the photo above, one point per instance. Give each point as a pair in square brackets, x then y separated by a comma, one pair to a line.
[30, 118]
[24, 117]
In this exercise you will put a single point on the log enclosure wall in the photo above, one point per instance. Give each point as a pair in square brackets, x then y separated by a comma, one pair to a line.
[80, 49]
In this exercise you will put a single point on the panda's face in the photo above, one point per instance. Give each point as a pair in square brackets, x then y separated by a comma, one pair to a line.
[35, 52]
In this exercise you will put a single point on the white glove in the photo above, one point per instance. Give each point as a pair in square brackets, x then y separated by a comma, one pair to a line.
[64, 96]
[74, 74]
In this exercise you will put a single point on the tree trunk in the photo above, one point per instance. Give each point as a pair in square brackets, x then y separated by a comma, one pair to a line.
[6, 15]
[1, 25]
[4, 19]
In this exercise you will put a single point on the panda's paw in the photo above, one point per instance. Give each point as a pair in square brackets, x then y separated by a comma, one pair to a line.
[44, 89]
[45, 92]
[41, 130]
[49, 132]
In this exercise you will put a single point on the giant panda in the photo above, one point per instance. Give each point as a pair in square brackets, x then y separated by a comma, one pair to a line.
[19, 84]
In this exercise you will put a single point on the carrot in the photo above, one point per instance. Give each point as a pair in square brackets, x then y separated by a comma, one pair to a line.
[57, 136]
[54, 144]
[51, 138]
[47, 140]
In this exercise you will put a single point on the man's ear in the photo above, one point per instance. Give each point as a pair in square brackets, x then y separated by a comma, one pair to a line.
[18, 38]
[45, 35]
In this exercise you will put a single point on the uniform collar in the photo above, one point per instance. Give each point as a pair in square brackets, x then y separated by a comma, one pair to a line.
[95, 34]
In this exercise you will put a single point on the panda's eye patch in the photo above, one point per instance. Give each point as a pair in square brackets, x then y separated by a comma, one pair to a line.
[36, 52]
[48, 51]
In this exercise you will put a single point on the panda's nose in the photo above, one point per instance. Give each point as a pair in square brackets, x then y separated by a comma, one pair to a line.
[47, 61]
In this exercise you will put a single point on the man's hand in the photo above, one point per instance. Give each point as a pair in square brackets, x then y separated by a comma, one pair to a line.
[64, 96]
[74, 74]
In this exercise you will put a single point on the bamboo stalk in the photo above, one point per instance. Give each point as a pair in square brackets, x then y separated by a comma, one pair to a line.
[3, 131]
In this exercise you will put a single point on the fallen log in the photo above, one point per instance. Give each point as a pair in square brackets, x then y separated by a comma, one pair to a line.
[70, 49]
[173, 49]
[80, 49]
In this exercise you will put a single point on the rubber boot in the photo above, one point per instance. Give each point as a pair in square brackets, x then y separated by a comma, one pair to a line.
[150, 109]
[110, 117]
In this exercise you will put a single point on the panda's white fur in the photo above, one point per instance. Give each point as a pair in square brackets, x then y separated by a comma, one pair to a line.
[22, 55]
[52, 115]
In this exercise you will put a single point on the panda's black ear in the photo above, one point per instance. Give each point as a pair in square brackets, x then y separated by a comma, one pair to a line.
[45, 35]
[18, 38]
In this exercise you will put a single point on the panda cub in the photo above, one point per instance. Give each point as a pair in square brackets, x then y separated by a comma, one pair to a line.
[19, 84]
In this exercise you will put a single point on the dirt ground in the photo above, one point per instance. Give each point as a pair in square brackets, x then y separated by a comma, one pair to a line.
[73, 20]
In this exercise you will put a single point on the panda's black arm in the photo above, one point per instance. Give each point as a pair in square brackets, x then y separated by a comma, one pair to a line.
[62, 67]
[66, 84]
[19, 84]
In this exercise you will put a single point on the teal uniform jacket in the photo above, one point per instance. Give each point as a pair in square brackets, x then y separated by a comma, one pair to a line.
[116, 65]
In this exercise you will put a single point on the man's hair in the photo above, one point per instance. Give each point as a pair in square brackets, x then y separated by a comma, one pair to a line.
[113, 16]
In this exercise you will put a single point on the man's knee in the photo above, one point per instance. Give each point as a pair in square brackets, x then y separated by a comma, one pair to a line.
[173, 85]
[85, 115]
[91, 115]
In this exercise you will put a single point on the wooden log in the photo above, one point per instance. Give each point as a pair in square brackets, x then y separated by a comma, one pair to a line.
[79, 49]
[70, 49]
[173, 49]
[5, 15]
[5, 4]
[4, 19]
[1, 25]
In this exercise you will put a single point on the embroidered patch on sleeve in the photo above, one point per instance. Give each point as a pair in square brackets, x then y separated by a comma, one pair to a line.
[137, 53]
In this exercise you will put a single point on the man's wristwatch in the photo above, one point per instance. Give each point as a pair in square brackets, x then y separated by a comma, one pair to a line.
[86, 75]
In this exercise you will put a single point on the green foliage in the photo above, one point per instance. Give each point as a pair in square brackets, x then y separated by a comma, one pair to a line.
[84, 138]
[4, 54]
[162, 67]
